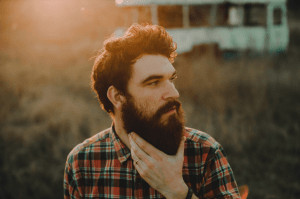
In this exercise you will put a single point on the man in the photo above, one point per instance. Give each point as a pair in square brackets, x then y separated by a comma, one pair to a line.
[147, 153]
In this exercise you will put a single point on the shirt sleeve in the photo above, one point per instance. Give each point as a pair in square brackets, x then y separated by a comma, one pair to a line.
[219, 180]
[70, 185]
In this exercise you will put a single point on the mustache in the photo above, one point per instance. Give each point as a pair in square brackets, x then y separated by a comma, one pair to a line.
[168, 106]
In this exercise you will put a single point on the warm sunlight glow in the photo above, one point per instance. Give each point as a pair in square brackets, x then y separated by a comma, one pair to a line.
[52, 18]
[119, 1]
[57, 21]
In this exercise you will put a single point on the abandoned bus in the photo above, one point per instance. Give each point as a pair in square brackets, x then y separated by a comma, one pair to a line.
[256, 25]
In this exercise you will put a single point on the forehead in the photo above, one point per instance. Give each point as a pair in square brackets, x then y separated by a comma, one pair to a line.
[148, 65]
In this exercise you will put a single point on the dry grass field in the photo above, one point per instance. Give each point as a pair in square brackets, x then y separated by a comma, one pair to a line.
[250, 104]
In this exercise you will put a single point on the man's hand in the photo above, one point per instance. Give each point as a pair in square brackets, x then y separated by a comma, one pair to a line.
[161, 171]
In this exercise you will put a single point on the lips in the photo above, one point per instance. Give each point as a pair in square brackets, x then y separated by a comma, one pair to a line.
[169, 107]
[174, 108]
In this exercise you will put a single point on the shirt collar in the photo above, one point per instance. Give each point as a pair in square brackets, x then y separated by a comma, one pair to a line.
[122, 150]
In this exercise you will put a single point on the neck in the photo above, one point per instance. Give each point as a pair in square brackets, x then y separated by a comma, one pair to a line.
[121, 132]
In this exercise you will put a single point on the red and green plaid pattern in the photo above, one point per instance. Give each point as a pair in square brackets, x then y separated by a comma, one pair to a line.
[101, 167]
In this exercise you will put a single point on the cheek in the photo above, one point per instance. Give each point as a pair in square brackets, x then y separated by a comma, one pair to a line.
[148, 106]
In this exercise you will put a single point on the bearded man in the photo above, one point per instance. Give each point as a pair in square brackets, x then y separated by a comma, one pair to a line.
[147, 152]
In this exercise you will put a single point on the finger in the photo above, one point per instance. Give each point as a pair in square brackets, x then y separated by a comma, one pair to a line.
[134, 157]
[180, 151]
[138, 164]
[140, 167]
[146, 146]
[138, 152]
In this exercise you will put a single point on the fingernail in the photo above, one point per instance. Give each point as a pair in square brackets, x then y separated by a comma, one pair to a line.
[130, 141]
[132, 135]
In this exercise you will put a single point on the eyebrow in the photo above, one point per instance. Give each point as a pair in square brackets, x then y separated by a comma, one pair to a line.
[156, 77]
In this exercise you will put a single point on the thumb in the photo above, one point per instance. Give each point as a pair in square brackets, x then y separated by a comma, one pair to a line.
[180, 150]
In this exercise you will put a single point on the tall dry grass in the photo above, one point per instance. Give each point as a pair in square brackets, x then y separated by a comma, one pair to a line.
[251, 106]
[44, 113]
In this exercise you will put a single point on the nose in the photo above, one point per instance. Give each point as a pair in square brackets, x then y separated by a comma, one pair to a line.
[171, 92]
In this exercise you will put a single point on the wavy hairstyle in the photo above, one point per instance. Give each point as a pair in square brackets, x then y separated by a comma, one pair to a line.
[112, 65]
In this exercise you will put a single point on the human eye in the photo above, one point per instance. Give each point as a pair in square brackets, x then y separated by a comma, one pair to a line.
[153, 83]
[173, 78]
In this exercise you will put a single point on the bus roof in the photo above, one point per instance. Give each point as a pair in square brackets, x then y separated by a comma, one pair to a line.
[189, 2]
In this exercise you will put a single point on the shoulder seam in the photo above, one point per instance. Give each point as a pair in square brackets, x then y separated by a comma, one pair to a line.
[85, 144]
[198, 136]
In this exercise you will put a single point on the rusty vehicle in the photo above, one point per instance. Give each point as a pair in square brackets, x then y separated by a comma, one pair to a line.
[242, 25]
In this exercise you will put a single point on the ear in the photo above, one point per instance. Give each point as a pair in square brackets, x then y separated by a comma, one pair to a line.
[115, 97]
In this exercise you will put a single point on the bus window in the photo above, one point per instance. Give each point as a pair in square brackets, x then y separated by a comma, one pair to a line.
[199, 15]
[144, 15]
[277, 16]
[222, 15]
[255, 15]
[236, 15]
[170, 16]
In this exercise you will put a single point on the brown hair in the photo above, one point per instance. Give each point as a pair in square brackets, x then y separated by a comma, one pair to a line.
[112, 65]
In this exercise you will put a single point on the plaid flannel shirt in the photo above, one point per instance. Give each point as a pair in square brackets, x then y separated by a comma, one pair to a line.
[102, 167]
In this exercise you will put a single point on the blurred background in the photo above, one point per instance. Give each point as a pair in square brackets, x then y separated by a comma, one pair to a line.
[248, 102]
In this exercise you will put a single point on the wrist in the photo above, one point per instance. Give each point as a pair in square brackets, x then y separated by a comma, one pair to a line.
[179, 193]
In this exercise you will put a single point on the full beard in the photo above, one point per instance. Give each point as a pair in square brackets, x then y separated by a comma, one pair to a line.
[164, 136]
